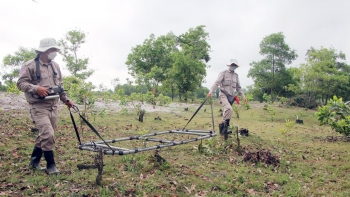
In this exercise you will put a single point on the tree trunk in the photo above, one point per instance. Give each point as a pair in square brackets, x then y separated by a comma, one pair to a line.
[172, 93]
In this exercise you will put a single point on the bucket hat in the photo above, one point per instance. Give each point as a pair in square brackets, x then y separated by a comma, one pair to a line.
[233, 61]
[47, 43]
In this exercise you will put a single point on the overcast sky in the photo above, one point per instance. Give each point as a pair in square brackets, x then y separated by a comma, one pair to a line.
[235, 28]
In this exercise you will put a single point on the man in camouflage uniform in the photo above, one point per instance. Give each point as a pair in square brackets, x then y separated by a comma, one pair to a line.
[37, 76]
[229, 83]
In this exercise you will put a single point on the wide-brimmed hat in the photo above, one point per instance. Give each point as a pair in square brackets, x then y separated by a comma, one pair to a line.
[233, 61]
[47, 43]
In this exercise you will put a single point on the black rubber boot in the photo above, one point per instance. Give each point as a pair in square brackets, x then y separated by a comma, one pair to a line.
[224, 131]
[51, 165]
[227, 122]
[35, 158]
[221, 127]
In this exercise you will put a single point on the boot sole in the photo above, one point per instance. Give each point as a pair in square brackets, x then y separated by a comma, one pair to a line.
[35, 168]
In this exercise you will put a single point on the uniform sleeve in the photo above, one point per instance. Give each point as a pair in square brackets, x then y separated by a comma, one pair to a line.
[239, 89]
[217, 82]
[63, 95]
[24, 82]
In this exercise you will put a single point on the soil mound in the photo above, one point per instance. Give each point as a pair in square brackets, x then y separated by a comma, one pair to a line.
[262, 156]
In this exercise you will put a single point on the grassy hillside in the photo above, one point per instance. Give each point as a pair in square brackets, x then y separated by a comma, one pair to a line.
[312, 162]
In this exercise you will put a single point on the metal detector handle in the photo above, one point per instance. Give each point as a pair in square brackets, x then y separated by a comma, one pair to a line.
[195, 113]
[73, 121]
[46, 97]
[53, 93]
[75, 108]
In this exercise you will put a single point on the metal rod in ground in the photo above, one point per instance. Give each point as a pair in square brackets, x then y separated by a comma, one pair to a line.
[99, 164]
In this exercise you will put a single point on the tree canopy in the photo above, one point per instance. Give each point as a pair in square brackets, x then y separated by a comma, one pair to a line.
[270, 74]
[70, 44]
[177, 63]
[325, 74]
[13, 63]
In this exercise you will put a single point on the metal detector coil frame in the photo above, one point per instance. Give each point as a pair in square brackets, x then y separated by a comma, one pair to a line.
[112, 150]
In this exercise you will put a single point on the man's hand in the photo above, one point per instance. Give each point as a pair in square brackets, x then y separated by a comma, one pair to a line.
[69, 103]
[245, 101]
[42, 91]
[210, 94]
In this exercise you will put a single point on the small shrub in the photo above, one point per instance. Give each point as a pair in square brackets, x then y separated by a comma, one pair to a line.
[336, 114]
[124, 111]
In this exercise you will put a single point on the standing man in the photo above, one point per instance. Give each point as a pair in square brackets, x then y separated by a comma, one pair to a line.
[41, 81]
[228, 82]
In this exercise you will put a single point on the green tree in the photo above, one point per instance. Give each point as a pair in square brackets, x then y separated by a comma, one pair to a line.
[79, 90]
[202, 92]
[115, 83]
[187, 73]
[128, 88]
[325, 74]
[150, 61]
[343, 89]
[169, 86]
[70, 44]
[194, 43]
[271, 71]
[153, 62]
[262, 78]
[13, 63]
[189, 68]
[256, 93]
[296, 86]
[285, 79]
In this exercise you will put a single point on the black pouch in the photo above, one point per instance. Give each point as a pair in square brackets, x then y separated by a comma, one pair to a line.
[230, 98]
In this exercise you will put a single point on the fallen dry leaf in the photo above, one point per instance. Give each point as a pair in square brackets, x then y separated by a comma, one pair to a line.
[201, 194]
[250, 191]
[188, 190]
[173, 188]
[193, 187]
[14, 154]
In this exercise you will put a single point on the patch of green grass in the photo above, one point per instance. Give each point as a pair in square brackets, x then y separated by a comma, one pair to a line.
[309, 166]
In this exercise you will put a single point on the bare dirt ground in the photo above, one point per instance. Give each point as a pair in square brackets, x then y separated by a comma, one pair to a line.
[10, 101]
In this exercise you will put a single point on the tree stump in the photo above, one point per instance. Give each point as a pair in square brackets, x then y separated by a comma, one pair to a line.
[142, 113]
[298, 121]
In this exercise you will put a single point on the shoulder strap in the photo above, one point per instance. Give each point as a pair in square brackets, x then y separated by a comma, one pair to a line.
[38, 74]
